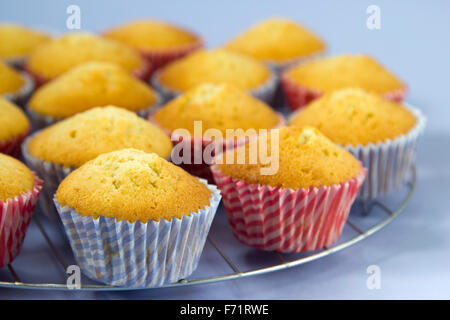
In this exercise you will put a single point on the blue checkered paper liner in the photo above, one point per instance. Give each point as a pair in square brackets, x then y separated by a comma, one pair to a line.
[137, 254]
[388, 163]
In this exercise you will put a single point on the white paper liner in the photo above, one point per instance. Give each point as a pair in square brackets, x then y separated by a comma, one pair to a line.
[21, 97]
[41, 121]
[138, 254]
[52, 174]
[265, 92]
[388, 163]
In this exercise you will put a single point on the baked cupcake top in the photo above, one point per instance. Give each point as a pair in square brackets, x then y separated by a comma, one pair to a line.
[55, 57]
[10, 79]
[152, 35]
[306, 159]
[132, 185]
[345, 71]
[353, 116]
[13, 122]
[15, 178]
[89, 85]
[17, 41]
[218, 106]
[81, 138]
[214, 66]
[277, 40]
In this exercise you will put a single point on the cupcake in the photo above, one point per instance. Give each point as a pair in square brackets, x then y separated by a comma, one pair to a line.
[277, 42]
[381, 134]
[19, 190]
[306, 82]
[17, 41]
[14, 85]
[134, 219]
[57, 150]
[218, 107]
[215, 66]
[14, 127]
[55, 57]
[158, 42]
[90, 85]
[297, 202]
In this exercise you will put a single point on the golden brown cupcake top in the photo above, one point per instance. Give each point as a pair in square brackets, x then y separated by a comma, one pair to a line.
[152, 35]
[353, 116]
[76, 140]
[55, 57]
[10, 80]
[345, 71]
[17, 41]
[215, 66]
[15, 178]
[218, 106]
[90, 85]
[277, 40]
[132, 185]
[306, 159]
[13, 122]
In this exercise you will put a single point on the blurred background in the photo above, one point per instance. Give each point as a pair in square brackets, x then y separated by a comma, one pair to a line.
[413, 41]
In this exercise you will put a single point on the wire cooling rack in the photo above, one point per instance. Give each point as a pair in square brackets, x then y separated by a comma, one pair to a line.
[46, 254]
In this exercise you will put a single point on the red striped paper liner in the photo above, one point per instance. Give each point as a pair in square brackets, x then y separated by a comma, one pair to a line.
[159, 58]
[144, 73]
[299, 96]
[12, 145]
[15, 216]
[286, 220]
[202, 169]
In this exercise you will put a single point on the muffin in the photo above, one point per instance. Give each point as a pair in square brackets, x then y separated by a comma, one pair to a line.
[14, 85]
[57, 150]
[215, 66]
[17, 41]
[90, 85]
[55, 57]
[145, 219]
[14, 127]
[382, 134]
[19, 190]
[306, 82]
[219, 107]
[278, 42]
[157, 41]
[299, 201]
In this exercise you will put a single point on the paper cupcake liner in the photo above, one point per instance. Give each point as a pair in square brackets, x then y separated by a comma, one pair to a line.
[138, 254]
[144, 73]
[286, 220]
[21, 97]
[202, 169]
[41, 121]
[12, 146]
[264, 92]
[52, 174]
[15, 62]
[388, 163]
[299, 96]
[15, 216]
[158, 59]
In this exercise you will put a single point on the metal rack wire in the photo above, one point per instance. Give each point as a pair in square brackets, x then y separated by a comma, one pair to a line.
[283, 262]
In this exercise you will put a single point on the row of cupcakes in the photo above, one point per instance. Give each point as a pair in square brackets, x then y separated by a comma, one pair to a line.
[252, 61]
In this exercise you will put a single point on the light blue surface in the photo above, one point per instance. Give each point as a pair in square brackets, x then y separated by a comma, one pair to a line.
[414, 251]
